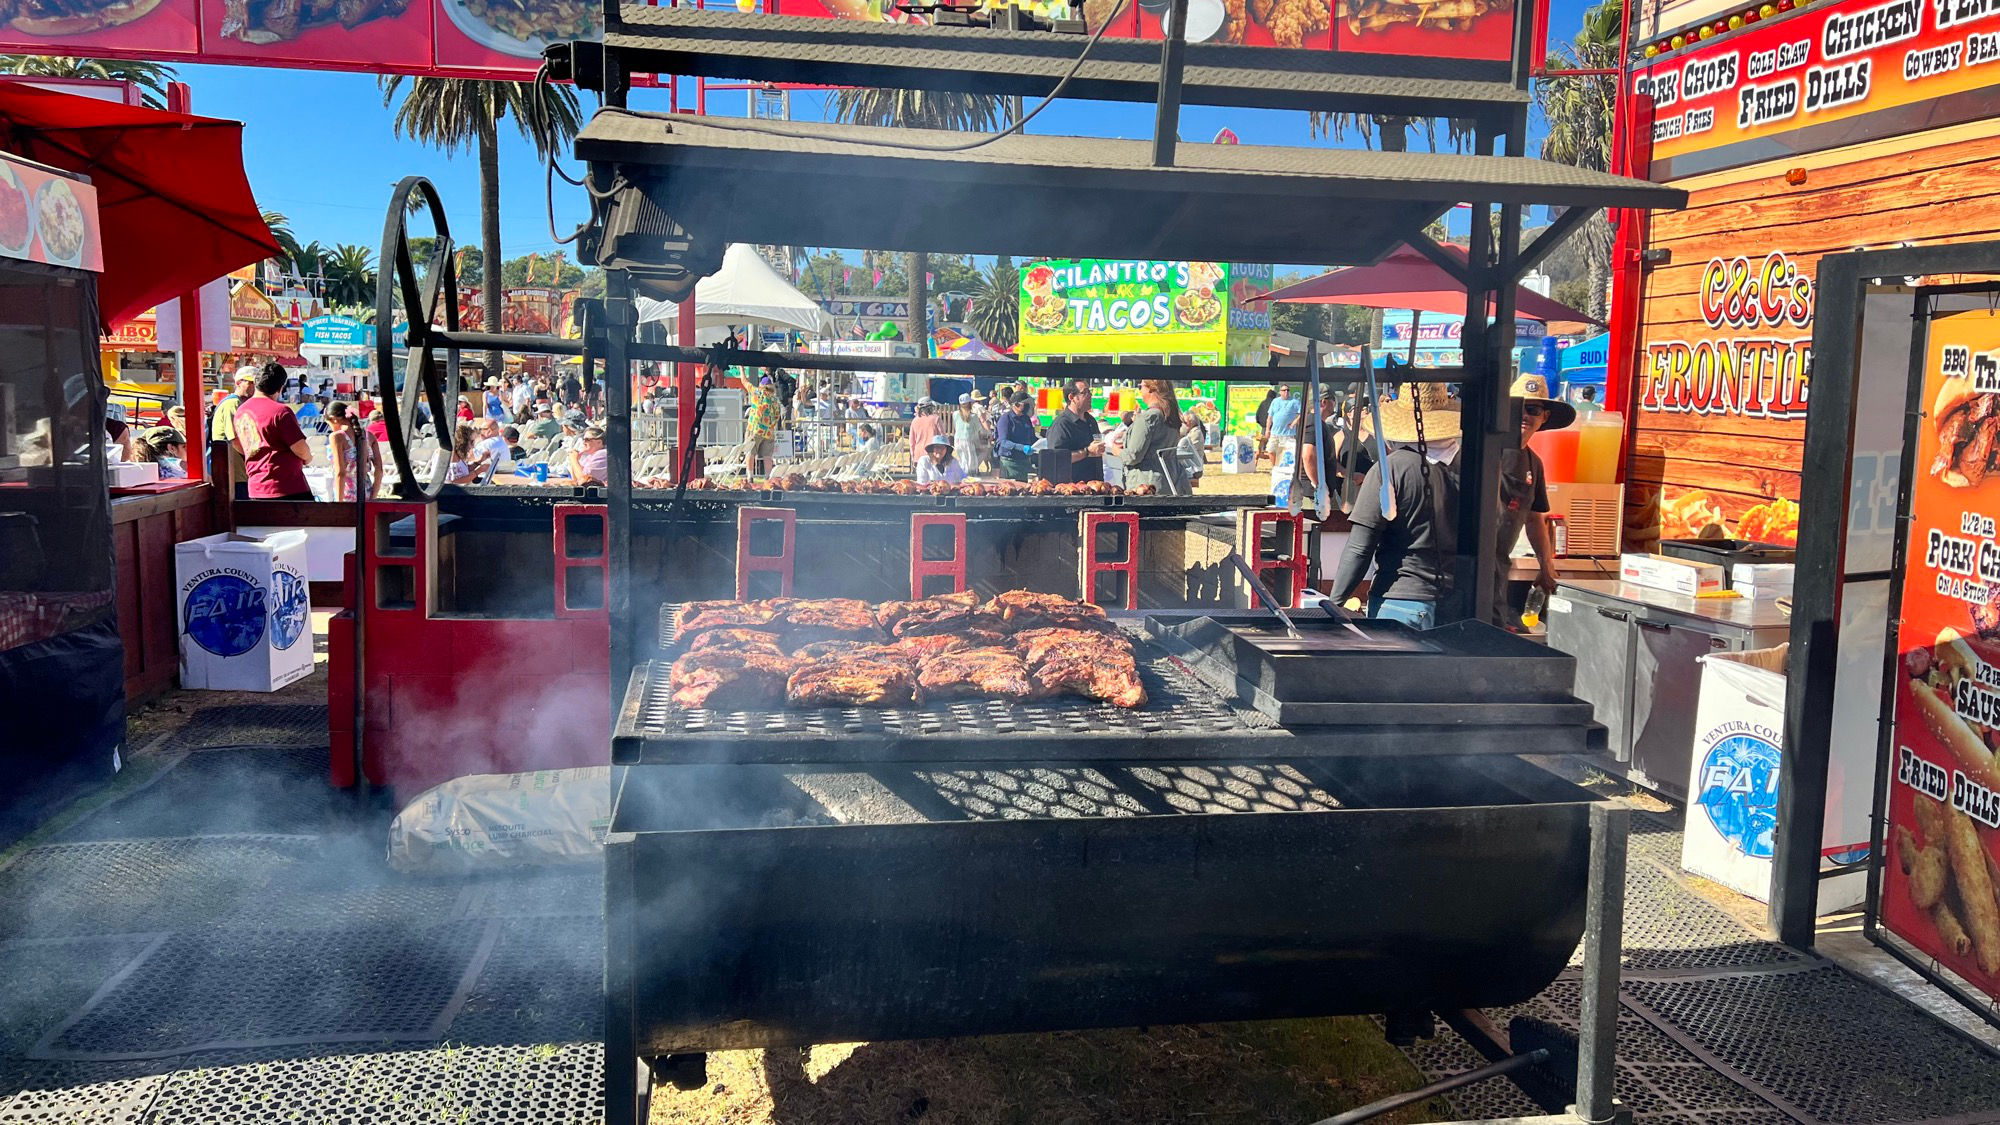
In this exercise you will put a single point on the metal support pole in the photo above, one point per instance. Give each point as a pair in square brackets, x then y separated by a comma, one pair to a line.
[1167, 118]
[618, 328]
[684, 389]
[1603, 941]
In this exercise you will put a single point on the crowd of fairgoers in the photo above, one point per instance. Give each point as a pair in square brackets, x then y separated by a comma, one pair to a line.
[288, 438]
[994, 436]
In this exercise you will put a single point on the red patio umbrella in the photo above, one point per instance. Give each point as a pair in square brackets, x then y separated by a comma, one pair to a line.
[1408, 280]
[174, 204]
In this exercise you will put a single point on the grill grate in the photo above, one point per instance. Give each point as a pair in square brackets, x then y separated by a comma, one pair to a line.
[52, 1100]
[251, 988]
[1866, 1057]
[1063, 792]
[1179, 705]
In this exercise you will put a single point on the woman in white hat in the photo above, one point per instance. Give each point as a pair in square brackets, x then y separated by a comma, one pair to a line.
[937, 463]
[1413, 552]
[1524, 493]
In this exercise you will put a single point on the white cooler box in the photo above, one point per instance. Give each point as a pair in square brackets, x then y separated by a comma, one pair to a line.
[245, 614]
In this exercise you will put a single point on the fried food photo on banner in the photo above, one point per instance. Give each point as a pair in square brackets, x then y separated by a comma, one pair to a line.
[1360, 17]
[1947, 865]
[1968, 434]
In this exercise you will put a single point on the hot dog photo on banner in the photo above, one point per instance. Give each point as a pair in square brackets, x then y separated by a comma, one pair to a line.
[1941, 874]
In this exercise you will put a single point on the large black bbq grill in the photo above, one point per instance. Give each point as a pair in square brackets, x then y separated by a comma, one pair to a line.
[1255, 842]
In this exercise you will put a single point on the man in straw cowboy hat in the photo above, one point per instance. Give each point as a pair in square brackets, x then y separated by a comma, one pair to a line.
[1412, 552]
[1524, 504]
[1524, 493]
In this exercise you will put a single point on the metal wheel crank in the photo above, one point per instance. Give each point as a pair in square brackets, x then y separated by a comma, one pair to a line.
[430, 371]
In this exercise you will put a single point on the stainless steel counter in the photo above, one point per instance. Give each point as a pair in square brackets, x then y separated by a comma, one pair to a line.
[1744, 613]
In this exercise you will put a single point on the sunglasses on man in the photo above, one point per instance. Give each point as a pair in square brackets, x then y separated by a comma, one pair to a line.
[1534, 409]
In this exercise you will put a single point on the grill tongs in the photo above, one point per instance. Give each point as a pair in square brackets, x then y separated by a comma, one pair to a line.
[1291, 629]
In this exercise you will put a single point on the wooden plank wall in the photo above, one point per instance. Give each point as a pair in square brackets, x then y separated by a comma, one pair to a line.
[1740, 441]
[144, 530]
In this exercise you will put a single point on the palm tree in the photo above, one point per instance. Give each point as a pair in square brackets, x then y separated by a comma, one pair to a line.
[454, 114]
[350, 276]
[1579, 111]
[921, 109]
[996, 305]
[1391, 130]
[151, 78]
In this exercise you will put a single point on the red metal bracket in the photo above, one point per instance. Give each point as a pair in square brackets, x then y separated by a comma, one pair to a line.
[780, 564]
[922, 568]
[578, 593]
[416, 593]
[1091, 566]
[1273, 542]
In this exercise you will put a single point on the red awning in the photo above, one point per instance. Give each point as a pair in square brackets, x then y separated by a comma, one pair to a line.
[172, 198]
[1408, 280]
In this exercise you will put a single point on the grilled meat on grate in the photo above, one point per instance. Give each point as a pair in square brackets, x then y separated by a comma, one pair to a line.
[1091, 675]
[840, 615]
[1037, 645]
[849, 680]
[726, 680]
[887, 614]
[736, 640]
[992, 672]
[1025, 609]
[698, 617]
[924, 647]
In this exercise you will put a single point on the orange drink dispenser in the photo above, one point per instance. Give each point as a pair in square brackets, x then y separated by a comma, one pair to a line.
[1558, 451]
[1600, 436]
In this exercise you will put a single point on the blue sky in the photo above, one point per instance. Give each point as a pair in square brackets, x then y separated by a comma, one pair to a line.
[319, 147]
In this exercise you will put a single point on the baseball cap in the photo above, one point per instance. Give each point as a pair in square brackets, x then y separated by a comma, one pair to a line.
[965, 400]
[544, 408]
[160, 437]
[575, 420]
[925, 401]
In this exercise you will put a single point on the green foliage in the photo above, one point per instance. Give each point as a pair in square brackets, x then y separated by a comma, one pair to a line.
[151, 78]
[996, 305]
[514, 272]
[1575, 293]
[350, 276]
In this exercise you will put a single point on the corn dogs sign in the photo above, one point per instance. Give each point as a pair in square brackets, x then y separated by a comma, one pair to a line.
[1941, 874]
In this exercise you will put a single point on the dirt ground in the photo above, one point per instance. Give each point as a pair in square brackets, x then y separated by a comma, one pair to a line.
[1290, 1071]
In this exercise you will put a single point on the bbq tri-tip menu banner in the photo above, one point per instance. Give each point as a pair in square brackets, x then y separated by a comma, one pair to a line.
[1941, 867]
[1820, 77]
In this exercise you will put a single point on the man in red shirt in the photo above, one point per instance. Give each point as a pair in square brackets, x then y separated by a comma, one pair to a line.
[275, 452]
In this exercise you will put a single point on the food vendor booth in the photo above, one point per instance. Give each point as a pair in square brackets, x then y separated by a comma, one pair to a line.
[129, 207]
[1172, 314]
[61, 683]
[1804, 357]
[833, 780]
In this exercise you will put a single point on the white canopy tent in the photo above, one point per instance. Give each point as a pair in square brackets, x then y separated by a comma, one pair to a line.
[744, 291]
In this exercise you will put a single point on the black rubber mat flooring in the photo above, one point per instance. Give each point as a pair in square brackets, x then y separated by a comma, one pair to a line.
[252, 988]
[252, 724]
[245, 789]
[1825, 1045]
[143, 886]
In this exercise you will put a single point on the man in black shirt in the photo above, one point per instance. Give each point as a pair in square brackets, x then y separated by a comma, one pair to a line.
[1075, 432]
[1524, 494]
[1413, 551]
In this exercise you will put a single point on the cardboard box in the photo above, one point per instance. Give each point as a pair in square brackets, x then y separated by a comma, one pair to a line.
[1763, 580]
[245, 615]
[1678, 576]
[130, 474]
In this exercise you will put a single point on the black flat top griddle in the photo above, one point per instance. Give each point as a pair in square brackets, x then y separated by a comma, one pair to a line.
[1187, 717]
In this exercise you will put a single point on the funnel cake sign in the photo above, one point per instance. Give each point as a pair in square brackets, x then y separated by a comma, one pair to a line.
[1756, 364]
